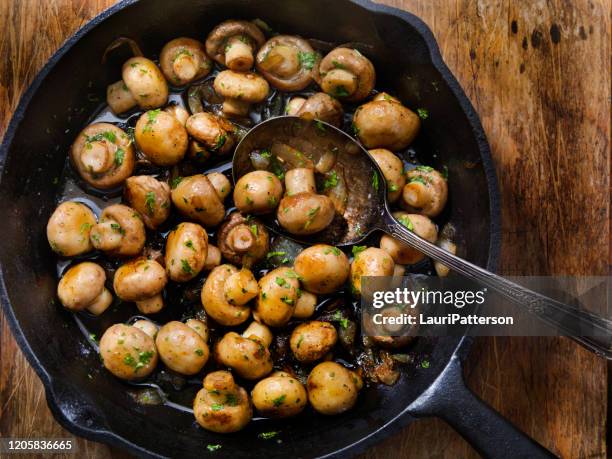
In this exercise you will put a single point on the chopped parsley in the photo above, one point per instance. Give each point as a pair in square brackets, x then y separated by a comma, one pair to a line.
[186, 267]
[280, 281]
[393, 187]
[418, 179]
[335, 250]
[150, 202]
[375, 180]
[355, 129]
[320, 126]
[106, 135]
[340, 91]
[231, 400]
[307, 60]
[278, 401]
[175, 181]
[119, 157]
[424, 168]
[220, 142]
[425, 364]
[213, 448]
[217, 406]
[151, 117]
[300, 341]
[312, 213]
[404, 220]
[199, 352]
[275, 254]
[423, 113]
[331, 180]
[287, 300]
[117, 227]
[357, 249]
[254, 230]
[85, 227]
[268, 435]
[189, 244]
[338, 65]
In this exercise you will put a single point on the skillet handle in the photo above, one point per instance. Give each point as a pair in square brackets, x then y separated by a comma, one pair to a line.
[487, 431]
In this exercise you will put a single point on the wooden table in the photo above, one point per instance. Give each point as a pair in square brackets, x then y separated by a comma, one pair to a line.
[538, 73]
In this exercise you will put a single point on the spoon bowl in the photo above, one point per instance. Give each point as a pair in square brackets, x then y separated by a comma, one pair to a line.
[286, 142]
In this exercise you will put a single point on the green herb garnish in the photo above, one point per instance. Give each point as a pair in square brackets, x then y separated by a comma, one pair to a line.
[307, 60]
[423, 113]
[278, 401]
[331, 180]
[150, 202]
[357, 249]
[186, 267]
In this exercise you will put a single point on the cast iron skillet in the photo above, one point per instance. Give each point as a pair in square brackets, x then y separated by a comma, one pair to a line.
[56, 107]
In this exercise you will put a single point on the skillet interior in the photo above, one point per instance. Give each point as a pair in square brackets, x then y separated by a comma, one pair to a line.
[37, 142]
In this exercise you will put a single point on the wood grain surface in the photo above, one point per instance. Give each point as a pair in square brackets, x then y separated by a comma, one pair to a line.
[538, 73]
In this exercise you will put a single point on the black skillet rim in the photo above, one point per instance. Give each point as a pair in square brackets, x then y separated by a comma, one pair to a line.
[462, 350]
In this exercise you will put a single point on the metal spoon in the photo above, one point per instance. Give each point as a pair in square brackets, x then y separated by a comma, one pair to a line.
[367, 211]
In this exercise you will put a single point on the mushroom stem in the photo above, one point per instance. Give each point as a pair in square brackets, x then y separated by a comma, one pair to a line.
[184, 66]
[151, 305]
[416, 194]
[240, 239]
[235, 107]
[300, 180]
[106, 235]
[238, 54]
[97, 159]
[294, 105]
[101, 303]
[339, 78]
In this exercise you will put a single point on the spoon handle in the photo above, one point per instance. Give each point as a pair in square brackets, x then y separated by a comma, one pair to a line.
[559, 315]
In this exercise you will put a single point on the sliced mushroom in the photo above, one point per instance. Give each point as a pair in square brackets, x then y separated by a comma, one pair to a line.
[243, 241]
[103, 155]
[120, 232]
[233, 44]
[385, 124]
[239, 91]
[425, 192]
[346, 74]
[321, 106]
[141, 281]
[184, 60]
[161, 137]
[142, 84]
[286, 61]
[150, 197]
[212, 132]
[196, 198]
[83, 287]
[393, 170]
[69, 227]
[186, 251]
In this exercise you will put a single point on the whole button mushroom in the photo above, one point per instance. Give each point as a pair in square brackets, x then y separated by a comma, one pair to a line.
[128, 352]
[402, 253]
[302, 211]
[221, 405]
[215, 302]
[184, 60]
[82, 287]
[332, 389]
[69, 227]
[141, 281]
[240, 91]
[161, 137]
[322, 268]
[241, 287]
[346, 74]
[142, 84]
[243, 241]
[196, 198]
[147, 326]
[103, 155]
[181, 348]
[280, 395]
[186, 251]
[370, 262]
[385, 124]
[258, 192]
[425, 192]
[212, 132]
[278, 295]
[393, 169]
[319, 106]
[248, 357]
[310, 341]
[233, 44]
[306, 305]
[286, 61]
[150, 197]
[120, 232]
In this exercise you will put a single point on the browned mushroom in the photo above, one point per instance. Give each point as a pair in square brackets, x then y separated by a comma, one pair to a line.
[196, 198]
[161, 137]
[142, 281]
[243, 241]
[286, 61]
[319, 106]
[212, 132]
[150, 197]
[240, 90]
[120, 232]
[233, 44]
[184, 60]
[346, 74]
[103, 155]
[425, 192]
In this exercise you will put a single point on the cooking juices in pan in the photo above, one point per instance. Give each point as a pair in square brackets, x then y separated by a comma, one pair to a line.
[182, 300]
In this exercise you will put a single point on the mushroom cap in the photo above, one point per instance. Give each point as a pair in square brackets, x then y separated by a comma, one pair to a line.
[139, 279]
[197, 199]
[146, 82]
[81, 285]
[243, 242]
[246, 87]
[213, 131]
[186, 251]
[428, 188]
[287, 61]
[161, 137]
[184, 60]
[103, 155]
[393, 169]
[150, 197]
[131, 230]
[218, 37]
[69, 227]
[321, 106]
[345, 64]
[386, 124]
[214, 302]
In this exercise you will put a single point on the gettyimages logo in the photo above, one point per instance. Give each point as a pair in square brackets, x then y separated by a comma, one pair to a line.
[405, 296]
